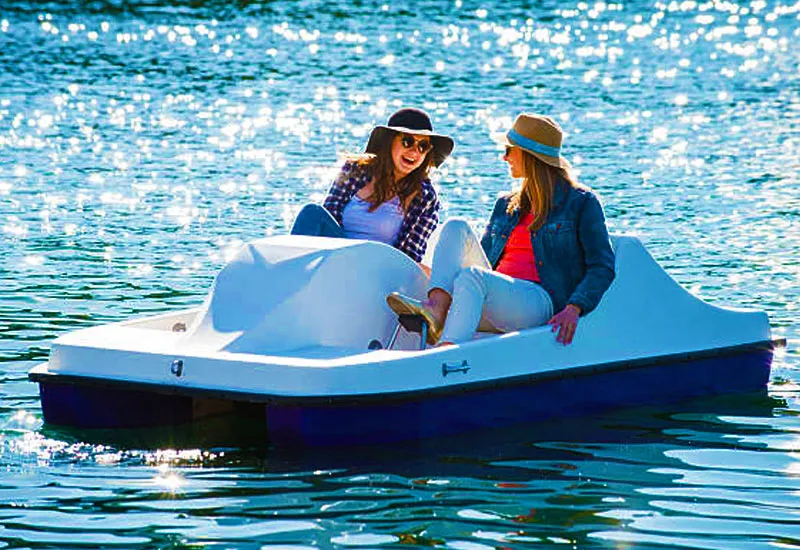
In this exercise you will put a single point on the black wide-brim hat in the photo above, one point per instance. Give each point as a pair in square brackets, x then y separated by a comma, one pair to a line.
[415, 122]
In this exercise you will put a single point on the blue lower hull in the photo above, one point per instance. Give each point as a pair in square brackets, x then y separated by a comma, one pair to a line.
[374, 419]
[99, 407]
[339, 422]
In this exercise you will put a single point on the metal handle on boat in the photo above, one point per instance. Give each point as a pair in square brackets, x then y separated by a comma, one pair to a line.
[177, 368]
[449, 368]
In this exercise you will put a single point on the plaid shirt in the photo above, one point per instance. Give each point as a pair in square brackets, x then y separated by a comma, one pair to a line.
[419, 221]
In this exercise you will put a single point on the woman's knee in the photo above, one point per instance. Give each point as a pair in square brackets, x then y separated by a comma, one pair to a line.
[310, 210]
[455, 228]
[308, 220]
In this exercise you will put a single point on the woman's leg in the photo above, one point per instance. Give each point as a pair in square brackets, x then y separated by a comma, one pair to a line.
[492, 300]
[315, 221]
[458, 247]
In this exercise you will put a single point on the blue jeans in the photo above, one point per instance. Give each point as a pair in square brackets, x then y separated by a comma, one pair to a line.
[313, 220]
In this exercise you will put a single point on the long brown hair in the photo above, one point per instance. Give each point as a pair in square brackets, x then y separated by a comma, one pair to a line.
[538, 187]
[381, 165]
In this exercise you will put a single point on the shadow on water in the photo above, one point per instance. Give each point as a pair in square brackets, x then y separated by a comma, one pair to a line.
[244, 438]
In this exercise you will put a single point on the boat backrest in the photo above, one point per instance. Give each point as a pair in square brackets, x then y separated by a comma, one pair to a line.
[291, 292]
[662, 309]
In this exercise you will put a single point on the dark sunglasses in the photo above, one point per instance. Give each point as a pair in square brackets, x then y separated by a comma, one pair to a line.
[423, 145]
[508, 150]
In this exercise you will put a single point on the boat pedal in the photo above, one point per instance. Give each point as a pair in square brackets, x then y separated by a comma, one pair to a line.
[412, 323]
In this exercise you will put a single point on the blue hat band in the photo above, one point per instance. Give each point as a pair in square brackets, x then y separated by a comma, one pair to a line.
[532, 145]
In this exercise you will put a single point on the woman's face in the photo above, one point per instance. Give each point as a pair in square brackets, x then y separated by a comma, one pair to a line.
[516, 164]
[408, 153]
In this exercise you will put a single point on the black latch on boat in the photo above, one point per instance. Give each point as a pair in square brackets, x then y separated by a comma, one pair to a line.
[449, 368]
[177, 367]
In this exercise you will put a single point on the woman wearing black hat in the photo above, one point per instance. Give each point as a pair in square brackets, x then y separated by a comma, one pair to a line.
[385, 194]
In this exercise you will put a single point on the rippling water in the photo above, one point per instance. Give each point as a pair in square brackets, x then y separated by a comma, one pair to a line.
[141, 143]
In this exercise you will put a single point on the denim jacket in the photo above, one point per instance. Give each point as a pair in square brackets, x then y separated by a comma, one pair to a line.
[572, 249]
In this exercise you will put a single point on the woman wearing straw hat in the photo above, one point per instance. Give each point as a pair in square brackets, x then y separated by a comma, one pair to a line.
[545, 256]
[385, 194]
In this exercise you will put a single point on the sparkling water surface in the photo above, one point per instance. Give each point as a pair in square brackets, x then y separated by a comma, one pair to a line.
[142, 142]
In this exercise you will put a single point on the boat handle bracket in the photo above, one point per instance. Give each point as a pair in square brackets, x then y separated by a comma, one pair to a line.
[177, 368]
[450, 368]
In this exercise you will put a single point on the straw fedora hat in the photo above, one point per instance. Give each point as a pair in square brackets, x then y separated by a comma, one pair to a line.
[416, 122]
[538, 135]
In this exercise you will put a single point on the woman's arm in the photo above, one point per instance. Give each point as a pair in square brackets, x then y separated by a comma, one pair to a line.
[598, 254]
[423, 217]
[593, 237]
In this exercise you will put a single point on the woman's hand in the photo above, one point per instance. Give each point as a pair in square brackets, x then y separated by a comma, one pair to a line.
[565, 322]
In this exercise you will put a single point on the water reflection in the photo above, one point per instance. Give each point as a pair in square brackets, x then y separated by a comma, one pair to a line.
[624, 476]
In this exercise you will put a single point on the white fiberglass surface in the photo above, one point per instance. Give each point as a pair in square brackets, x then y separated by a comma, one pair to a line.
[174, 322]
[277, 296]
[326, 352]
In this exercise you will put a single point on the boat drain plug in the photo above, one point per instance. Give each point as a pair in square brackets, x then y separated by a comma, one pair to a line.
[177, 367]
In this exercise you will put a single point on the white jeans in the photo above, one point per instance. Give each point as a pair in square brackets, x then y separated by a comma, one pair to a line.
[482, 299]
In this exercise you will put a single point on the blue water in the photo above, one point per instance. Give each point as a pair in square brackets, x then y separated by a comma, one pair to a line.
[142, 142]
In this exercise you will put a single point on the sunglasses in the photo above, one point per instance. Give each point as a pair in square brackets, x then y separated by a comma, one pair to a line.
[423, 145]
[509, 148]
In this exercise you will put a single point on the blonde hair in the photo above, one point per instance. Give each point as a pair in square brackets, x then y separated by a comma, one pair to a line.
[538, 187]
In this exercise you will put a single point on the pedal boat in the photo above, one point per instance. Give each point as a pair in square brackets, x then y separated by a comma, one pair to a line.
[289, 326]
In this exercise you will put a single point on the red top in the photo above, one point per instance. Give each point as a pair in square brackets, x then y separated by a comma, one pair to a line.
[517, 259]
